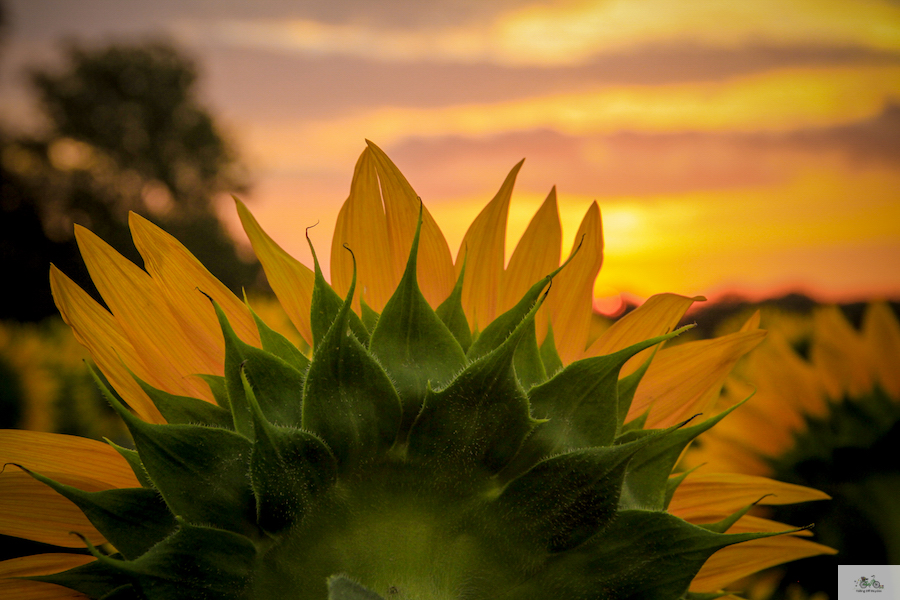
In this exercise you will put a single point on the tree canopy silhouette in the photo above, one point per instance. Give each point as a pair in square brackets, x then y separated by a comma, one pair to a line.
[124, 131]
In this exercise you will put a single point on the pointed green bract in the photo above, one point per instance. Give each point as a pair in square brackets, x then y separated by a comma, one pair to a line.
[566, 499]
[132, 519]
[646, 482]
[326, 305]
[275, 343]
[348, 399]
[288, 468]
[452, 314]
[482, 417]
[412, 344]
[186, 410]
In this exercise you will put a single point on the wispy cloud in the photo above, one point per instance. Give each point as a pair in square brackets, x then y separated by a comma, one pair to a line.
[775, 101]
[572, 33]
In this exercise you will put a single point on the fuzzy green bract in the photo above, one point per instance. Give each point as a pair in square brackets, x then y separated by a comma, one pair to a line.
[404, 460]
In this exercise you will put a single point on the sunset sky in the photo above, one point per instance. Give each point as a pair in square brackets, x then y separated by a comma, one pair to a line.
[744, 146]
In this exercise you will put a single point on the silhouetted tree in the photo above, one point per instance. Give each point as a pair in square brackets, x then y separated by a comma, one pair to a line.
[125, 131]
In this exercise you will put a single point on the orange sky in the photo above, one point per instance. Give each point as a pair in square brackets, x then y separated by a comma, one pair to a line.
[746, 146]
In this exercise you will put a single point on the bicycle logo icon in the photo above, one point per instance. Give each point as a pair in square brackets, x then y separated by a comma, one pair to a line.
[866, 582]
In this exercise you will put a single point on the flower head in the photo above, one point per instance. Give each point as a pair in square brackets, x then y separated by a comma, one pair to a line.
[827, 396]
[453, 433]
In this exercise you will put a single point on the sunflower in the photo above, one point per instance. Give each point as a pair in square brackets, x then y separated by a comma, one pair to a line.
[453, 432]
[828, 399]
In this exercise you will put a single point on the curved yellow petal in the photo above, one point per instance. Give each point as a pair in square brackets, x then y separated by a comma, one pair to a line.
[735, 562]
[291, 280]
[881, 333]
[362, 226]
[145, 318]
[686, 379]
[483, 251]
[183, 281]
[31, 510]
[571, 299]
[718, 494]
[70, 455]
[839, 354]
[39, 564]
[401, 208]
[536, 255]
[100, 333]
[657, 316]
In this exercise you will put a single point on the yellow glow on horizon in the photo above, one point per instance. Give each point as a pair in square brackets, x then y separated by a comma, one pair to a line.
[572, 32]
[775, 101]
[691, 243]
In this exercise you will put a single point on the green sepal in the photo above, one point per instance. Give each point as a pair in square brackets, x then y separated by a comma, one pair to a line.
[482, 417]
[326, 304]
[94, 579]
[641, 555]
[200, 471]
[726, 523]
[369, 317]
[131, 519]
[194, 562]
[452, 314]
[564, 500]
[628, 385]
[527, 360]
[502, 327]
[549, 356]
[646, 481]
[288, 468]
[134, 461]
[412, 343]
[581, 401]
[341, 587]
[184, 409]
[673, 482]
[348, 399]
[278, 385]
[275, 343]
[216, 385]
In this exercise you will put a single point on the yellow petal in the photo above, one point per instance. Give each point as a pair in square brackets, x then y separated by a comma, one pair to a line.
[685, 380]
[362, 226]
[657, 316]
[183, 281]
[571, 298]
[881, 333]
[291, 280]
[145, 318]
[483, 251]
[39, 564]
[734, 562]
[536, 255]
[31, 510]
[716, 495]
[98, 331]
[401, 208]
[66, 454]
[839, 354]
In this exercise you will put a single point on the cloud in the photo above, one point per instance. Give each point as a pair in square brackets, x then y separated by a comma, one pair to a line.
[572, 33]
[777, 101]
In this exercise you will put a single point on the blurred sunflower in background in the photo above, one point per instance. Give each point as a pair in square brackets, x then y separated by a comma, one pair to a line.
[453, 432]
[825, 413]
